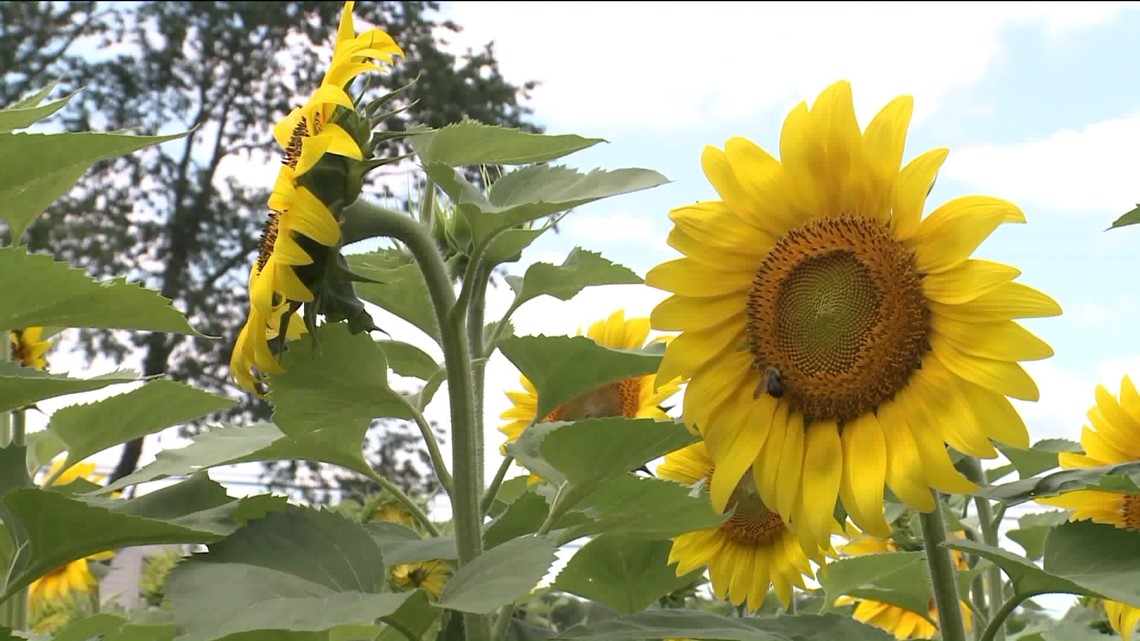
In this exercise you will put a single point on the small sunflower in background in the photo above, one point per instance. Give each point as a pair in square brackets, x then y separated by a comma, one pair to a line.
[395, 512]
[899, 621]
[432, 576]
[28, 347]
[637, 397]
[750, 553]
[1122, 617]
[831, 332]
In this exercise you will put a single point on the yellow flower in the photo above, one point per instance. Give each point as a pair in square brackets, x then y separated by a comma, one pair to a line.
[1113, 438]
[1122, 617]
[393, 511]
[747, 554]
[27, 349]
[75, 577]
[300, 225]
[836, 340]
[638, 397]
[429, 575]
[899, 621]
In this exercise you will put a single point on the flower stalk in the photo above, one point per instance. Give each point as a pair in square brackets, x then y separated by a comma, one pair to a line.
[942, 573]
[989, 525]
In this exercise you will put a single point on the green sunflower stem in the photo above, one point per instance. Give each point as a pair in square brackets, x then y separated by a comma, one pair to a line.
[994, 589]
[432, 444]
[475, 307]
[493, 489]
[942, 574]
[407, 502]
[997, 623]
[466, 473]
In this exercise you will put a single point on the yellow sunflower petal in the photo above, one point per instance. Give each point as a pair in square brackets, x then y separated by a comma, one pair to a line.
[864, 473]
[884, 142]
[1003, 340]
[911, 188]
[333, 139]
[1000, 376]
[789, 488]
[947, 237]
[311, 217]
[822, 469]
[688, 278]
[996, 413]
[1011, 300]
[1116, 425]
[905, 473]
[931, 450]
[734, 446]
[967, 281]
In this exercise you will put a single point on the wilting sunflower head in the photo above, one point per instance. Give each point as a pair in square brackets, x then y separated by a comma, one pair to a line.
[637, 397]
[432, 576]
[27, 349]
[1114, 437]
[835, 339]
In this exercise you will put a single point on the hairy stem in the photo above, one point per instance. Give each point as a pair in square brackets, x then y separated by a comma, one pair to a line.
[997, 623]
[475, 343]
[493, 490]
[441, 472]
[942, 574]
[992, 576]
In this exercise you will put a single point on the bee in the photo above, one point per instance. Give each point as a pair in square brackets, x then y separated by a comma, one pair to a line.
[771, 382]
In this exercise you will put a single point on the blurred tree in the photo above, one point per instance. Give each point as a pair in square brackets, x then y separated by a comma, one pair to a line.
[185, 219]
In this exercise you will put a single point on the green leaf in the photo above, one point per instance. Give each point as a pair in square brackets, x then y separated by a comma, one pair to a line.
[154, 406]
[421, 549]
[23, 386]
[474, 143]
[40, 291]
[401, 289]
[499, 576]
[34, 98]
[1122, 477]
[90, 627]
[43, 446]
[640, 506]
[571, 450]
[1131, 218]
[898, 578]
[1025, 576]
[35, 169]
[1102, 558]
[417, 615]
[507, 247]
[563, 368]
[408, 360]
[44, 523]
[523, 516]
[624, 573]
[581, 269]
[1032, 530]
[1038, 458]
[699, 624]
[534, 192]
[334, 382]
[21, 117]
[247, 443]
[295, 570]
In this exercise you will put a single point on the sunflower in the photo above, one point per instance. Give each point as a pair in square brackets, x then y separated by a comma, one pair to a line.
[899, 621]
[1113, 438]
[75, 578]
[302, 226]
[834, 339]
[637, 397]
[394, 512]
[27, 349]
[1122, 617]
[747, 554]
[430, 575]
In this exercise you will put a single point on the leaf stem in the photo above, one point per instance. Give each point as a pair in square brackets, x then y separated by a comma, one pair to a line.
[993, 582]
[432, 445]
[493, 489]
[997, 623]
[942, 573]
[493, 340]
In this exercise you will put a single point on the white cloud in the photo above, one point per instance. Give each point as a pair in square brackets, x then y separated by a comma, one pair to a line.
[617, 227]
[1090, 170]
[675, 63]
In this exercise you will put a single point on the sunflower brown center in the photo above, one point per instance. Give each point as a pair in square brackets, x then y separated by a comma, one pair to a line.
[752, 523]
[1130, 512]
[837, 310]
[614, 399]
[417, 576]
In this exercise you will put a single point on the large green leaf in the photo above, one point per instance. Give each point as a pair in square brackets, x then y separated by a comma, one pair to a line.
[898, 578]
[35, 169]
[523, 516]
[1102, 558]
[534, 192]
[1122, 477]
[146, 410]
[44, 523]
[408, 360]
[295, 570]
[639, 506]
[1131, 218]
[571, 451]
[699, 624]
[1026, 577]
[259, 442]
[40, 291]
[400, 287]
[415, 616]
[474, 143]
[565, 367]
[499, 576]
[581, 269]
[21, 117]
[35, 98]
[1032, 529]
[1041, 457]
[334, 382]
[625, 573]
[23, 386]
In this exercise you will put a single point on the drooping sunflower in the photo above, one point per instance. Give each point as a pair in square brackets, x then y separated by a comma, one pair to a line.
[899, 621]
[749, 553]
[835, 340]
[75, 578]
[302, 227]
[27, 349]
[395, 512]
[637, 397]
[432, 576]
[1122, 617]
[1113, 438]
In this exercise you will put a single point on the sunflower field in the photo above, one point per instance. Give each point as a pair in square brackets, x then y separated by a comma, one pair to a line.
[810, 438]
